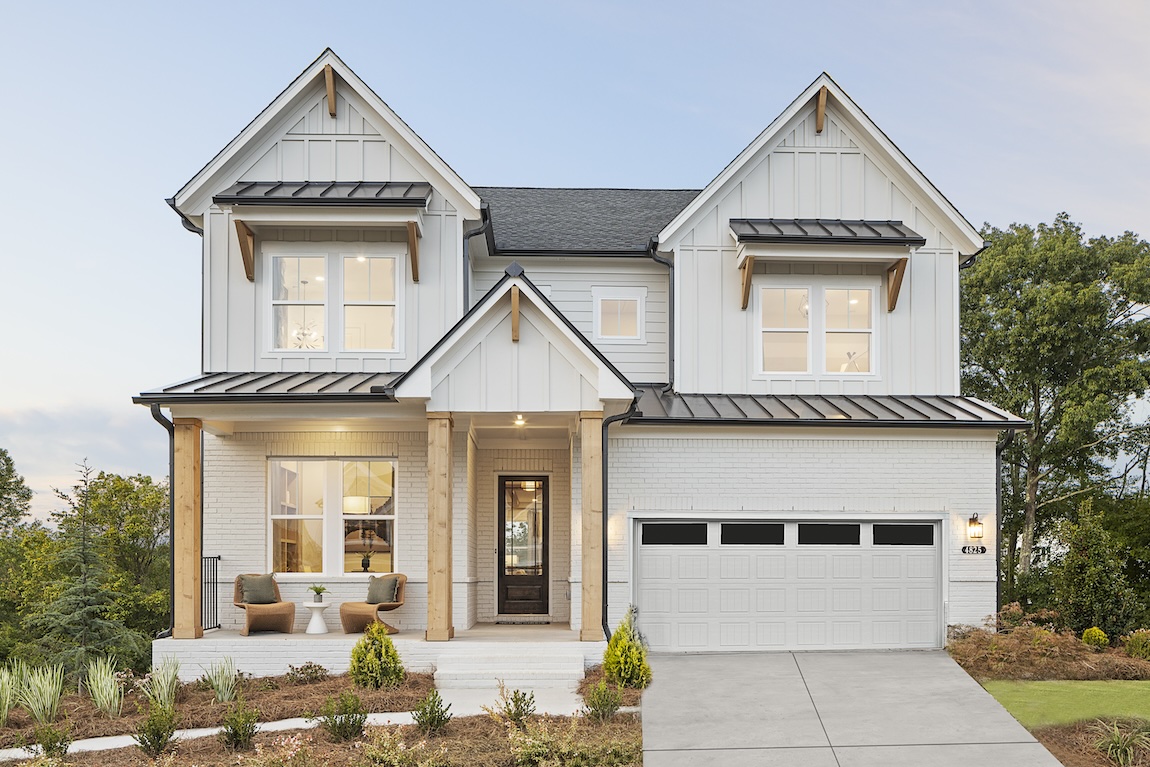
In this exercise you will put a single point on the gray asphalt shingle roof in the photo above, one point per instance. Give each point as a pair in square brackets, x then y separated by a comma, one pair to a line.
[595, 220]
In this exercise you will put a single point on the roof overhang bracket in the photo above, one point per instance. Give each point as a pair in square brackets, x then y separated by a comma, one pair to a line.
[515, 313]
[748, 268]
[413, 248]
[247, 240]
[329, 81]
[820, 110]
[894, 276]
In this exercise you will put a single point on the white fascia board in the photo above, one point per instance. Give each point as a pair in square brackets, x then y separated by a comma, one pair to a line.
[678, 225]
[417, 386]
[865, 254]
[285, 100]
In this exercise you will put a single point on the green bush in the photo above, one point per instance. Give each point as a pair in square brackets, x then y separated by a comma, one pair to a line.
[240, 727]
[1121, 742]
[387, 749]
[105, 687]
[601, 701]
[1089, 584]
[539, 746]
[513, 706]
[431, 715]
[1096, 638]
[1137, 644]
[306, 674]
[162, 684]
[8, 692]
[51, 742]
[41, 693]
[223, 679]
[154, 735]
[625, 661]
[374, 660]
[342, 719]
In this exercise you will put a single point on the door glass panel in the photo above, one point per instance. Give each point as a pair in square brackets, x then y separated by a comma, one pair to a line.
[523, 527]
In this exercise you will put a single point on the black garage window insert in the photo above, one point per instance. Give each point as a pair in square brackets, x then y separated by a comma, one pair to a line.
[675, 534]
[904, 535]
[752, 534]
[818, 534]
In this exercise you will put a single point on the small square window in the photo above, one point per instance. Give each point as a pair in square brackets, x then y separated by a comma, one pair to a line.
[619, 314]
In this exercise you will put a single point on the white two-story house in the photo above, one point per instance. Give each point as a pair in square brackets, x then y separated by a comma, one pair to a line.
[736, 408]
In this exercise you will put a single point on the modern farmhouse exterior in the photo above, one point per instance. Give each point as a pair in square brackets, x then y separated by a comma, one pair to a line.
[736, 408]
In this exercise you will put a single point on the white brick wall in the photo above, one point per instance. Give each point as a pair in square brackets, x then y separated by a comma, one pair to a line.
[880, 474]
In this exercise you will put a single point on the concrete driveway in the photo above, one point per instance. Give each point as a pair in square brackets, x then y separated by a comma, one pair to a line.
[848, 709]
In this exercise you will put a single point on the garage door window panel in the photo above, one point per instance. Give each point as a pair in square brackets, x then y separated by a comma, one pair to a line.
[675, 534]
[752, 534]
[903, 535]
[820, 534]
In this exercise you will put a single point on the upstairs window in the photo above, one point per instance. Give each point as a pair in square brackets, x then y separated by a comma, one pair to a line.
[786, 330]
[848, 347]
[299, 291]
[619, 314]
[837, 340]
[369, 303]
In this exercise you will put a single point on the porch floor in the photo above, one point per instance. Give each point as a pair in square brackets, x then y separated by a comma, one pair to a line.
[270, 654]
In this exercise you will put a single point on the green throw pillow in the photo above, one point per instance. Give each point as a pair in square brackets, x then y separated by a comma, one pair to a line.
[380, 590]
[258, 589]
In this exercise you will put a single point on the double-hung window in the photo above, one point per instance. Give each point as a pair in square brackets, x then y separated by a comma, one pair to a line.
[299, 292]
[332, 516]
[795, 336]
[369, 304]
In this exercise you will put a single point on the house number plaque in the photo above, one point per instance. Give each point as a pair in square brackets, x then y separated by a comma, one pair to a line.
[973, 549]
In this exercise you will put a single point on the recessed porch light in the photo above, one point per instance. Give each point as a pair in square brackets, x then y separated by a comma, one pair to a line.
[519, 420]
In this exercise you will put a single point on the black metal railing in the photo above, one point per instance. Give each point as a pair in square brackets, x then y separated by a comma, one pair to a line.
[210, 592]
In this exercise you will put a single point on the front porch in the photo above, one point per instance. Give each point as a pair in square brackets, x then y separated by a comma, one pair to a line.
[270, 654]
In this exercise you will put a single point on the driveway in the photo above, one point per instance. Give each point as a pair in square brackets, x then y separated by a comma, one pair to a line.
[848, 709]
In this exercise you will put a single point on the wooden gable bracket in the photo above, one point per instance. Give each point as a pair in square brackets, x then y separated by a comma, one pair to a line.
[748, 268]
[329, 80]
[413, 249]
[821, 110]
[515, 313]
[894, 277]
[247, 249]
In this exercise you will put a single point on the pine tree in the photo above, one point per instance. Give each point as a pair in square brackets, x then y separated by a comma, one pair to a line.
[77, 625]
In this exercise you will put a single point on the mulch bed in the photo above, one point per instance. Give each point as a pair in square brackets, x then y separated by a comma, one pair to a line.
[274, 697]
[1073, 745]
[1031, 652]
[593, 677]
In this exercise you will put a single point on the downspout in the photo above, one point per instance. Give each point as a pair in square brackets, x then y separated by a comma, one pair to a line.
[630, 413]
[485, 226]
[160, 419]
[653, 253]
[1002, 445]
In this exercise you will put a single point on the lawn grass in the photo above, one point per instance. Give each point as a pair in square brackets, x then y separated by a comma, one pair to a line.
[1042, 704]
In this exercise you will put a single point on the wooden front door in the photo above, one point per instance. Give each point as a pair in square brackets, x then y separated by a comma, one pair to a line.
[522, 582]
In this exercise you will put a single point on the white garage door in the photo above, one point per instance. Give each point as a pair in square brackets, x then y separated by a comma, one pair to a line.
[707, 586]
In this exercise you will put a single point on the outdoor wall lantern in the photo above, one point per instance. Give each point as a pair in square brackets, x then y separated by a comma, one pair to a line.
[974, 527]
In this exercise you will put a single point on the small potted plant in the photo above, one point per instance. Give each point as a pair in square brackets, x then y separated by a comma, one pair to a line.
[318, 590]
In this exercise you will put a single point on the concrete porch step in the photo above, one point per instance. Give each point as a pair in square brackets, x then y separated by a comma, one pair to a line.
[562, 670]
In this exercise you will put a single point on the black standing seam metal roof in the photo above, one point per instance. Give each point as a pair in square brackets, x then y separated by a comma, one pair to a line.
[346, 193]
[597, 221]
[271, 387]
[905, 411]
[825, 230]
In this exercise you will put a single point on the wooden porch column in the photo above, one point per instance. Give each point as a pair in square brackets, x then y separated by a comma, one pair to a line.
[439, 627]
[591, 452]
[188, 523]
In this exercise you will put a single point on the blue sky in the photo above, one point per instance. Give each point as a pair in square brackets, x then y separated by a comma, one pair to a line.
[1015, 110]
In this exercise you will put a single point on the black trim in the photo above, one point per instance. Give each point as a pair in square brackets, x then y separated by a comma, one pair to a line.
[171, 429]
[147, 399]
[842, 422]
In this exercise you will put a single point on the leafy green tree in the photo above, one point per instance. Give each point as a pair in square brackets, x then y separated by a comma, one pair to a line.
[80, 624]
[15, 496]
[1054, 329]
[1089, 582]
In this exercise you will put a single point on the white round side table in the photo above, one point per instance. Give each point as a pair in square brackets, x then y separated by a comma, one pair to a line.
[316, 625]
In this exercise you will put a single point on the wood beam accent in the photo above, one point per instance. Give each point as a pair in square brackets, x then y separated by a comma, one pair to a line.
[188, 523]
[329, 79]
[515, 313]
[894, 277]
[591, 517]
[413, 249]
[247, 249]
[821, 110]
[439, 544]
[748, 268]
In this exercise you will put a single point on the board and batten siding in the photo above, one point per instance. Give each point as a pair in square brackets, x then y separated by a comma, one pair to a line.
[838, 174]
[837, 474]
[568, 285]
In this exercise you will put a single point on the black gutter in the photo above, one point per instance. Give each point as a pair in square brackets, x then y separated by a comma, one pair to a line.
[653, 252]
[485, 226]
[630, 413]
[642, 420]
[969, 262]
[187, 222]
[219, 399]
[171, 428]
[573, 253]
[1001, 446]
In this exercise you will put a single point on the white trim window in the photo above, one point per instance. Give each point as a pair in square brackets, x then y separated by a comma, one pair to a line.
[332, 517]
[299, 292]
[837, 341]
[619, 313]
[370, 302]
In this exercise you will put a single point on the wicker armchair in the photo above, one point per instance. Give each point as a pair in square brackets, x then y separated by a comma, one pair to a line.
[277, 616]
[355, 616]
